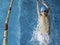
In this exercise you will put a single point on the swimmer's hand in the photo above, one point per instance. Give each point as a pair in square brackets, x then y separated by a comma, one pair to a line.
[43, 1]
[38, 1]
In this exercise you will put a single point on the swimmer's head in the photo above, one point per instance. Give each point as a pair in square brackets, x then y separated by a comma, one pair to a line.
[44, 11]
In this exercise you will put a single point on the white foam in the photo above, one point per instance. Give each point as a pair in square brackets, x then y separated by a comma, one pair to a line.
[43, 39]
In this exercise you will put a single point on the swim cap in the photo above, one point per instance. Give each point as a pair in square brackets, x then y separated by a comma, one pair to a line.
[44, 9]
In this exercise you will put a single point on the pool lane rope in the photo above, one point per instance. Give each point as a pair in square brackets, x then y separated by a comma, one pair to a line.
[6, 24]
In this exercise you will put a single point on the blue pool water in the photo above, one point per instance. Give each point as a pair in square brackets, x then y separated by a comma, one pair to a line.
[23, 19]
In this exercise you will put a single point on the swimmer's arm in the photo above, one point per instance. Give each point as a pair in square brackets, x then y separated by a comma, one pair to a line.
[43, 2]
[38, 8]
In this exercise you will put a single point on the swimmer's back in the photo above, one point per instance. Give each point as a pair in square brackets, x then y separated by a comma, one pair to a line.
[44, 24]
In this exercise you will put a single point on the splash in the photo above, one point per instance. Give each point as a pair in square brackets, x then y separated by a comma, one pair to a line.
[42, 39]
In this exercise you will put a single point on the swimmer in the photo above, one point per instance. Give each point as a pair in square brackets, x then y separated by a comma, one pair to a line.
[43, 18]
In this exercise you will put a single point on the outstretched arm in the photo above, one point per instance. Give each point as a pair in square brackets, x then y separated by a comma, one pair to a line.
[43, 2]
[38, 9]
